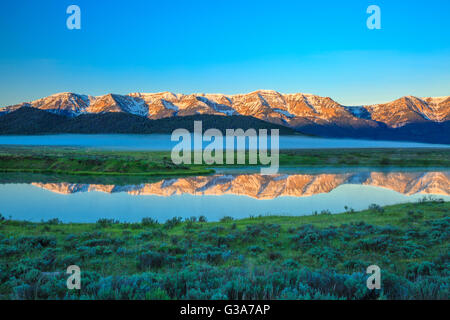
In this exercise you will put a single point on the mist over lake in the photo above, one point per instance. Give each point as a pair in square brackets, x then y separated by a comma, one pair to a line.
[163, 142]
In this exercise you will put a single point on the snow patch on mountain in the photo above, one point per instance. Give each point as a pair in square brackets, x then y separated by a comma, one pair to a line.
[216, 106]
[170, 105]
[136, 106]
[285, 113]
[435, 100]
[313, 101]
[358, 112]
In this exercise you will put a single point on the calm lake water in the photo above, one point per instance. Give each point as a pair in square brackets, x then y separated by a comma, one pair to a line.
[163, 142]
[235, 194]
[239, 193]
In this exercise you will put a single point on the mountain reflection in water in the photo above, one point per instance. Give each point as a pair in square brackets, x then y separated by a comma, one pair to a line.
[269, 187]
[38, 197]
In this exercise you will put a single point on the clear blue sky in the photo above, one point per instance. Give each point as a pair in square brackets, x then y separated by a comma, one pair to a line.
[217, 46]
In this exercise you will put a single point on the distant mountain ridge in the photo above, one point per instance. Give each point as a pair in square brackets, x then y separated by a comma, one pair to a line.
[307, 113]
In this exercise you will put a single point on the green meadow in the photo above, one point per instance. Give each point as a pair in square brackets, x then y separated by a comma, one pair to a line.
[86, 161]
[321, 256]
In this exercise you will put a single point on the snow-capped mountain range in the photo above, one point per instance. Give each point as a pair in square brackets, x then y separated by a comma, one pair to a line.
[293, 110]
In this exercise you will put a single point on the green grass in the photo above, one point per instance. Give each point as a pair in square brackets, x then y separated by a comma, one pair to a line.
[409, 242]
[74, 161]
[382, 157]
[85, 161]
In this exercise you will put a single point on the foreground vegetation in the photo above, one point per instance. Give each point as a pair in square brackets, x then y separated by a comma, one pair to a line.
[321, 256]
[86, 161]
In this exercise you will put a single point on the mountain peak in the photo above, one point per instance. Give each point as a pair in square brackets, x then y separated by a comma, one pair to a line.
[265, 91]
[293, 110]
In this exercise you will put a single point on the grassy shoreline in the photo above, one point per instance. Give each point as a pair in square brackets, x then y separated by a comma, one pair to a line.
[272, 257]
[85, 161]
[378, 215]
[157, 173]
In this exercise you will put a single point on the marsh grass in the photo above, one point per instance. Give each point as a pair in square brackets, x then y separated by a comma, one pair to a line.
[266, 257]
[93, 162]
